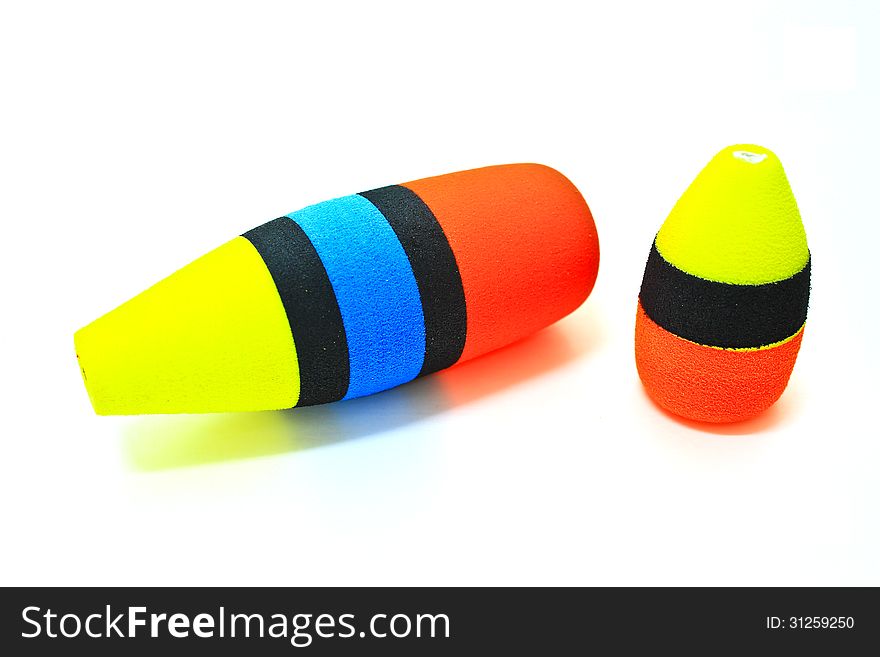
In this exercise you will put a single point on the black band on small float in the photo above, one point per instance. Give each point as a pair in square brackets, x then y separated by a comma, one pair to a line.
[435, 269]
[311, 307]
[723, 314]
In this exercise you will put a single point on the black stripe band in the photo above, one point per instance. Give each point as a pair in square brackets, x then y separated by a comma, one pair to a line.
[435, 270]
[723, 314]
[311, 307]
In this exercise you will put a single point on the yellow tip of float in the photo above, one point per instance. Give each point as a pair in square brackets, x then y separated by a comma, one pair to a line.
[211, 337]
[738, 222]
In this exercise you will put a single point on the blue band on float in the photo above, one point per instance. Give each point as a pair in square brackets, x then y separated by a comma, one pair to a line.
[375, 289]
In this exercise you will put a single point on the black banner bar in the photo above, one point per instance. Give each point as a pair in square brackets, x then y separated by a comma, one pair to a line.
[420, 621]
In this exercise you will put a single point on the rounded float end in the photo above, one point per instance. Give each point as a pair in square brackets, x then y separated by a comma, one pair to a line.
[710, 384]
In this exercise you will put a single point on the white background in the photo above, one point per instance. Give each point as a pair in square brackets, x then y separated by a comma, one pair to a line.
[133, 139]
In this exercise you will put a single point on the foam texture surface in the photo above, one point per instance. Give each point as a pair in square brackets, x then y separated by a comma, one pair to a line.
[525, 244]
[723, 314]
[738, 222]
[724, 297]
[311, 307]
[709, 384]
[435, 270]
[211, 337]
[375, 288]
[350, 297]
